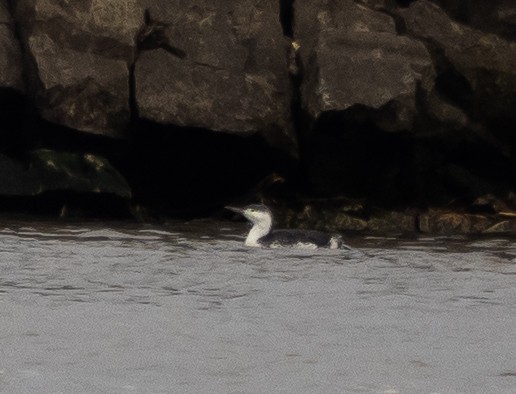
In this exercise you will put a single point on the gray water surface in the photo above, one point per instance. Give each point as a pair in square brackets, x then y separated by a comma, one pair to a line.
[186, 308]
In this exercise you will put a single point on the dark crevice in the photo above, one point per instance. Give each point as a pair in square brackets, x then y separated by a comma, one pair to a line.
[400, 24]
[187, 172]
[133, 105]
[450, 83]
[353, 158]
[251, 45]
[458, 10]
[153, 36]
[302, 121]
[287, 17]
[455, 87]
[350, 156]
[405, 3]
[13, 137]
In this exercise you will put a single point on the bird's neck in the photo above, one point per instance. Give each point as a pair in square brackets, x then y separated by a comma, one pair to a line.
[258, 231]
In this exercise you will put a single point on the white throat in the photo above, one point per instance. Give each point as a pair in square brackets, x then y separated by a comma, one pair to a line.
[260, 229]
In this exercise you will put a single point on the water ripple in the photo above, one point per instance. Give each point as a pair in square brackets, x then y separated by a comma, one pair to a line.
[186, 307]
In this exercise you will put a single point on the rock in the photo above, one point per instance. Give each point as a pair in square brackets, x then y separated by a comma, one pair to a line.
[495, 16]
[503, 227]
[392, 222]
[221, 66]
[492, 204]
[49, 171]
[342, 222]
[319, 217]
[443, 222]
[11, 64]
[352, 56]
[444, 113]
[477, 69]
[81, 52]
[5, 14]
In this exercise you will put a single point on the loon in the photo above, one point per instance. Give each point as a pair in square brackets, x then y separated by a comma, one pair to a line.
[262, 235]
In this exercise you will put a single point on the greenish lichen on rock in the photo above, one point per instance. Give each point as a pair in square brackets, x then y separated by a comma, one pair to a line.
[44, 171]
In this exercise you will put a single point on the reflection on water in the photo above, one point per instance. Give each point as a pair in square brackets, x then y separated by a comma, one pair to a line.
[187, 308]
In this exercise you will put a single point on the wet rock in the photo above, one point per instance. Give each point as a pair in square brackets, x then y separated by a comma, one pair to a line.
[478, 70]
[336, 220]
[392, 222]
[442, 222]
[79, 53]
[343, 222]
[221, 66]
[491, 204]
[11, 64]
[502, 227]
[49, 171]
[315, 217]
[352, 56]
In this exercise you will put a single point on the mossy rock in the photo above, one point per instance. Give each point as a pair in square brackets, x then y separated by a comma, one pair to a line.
[46, 170]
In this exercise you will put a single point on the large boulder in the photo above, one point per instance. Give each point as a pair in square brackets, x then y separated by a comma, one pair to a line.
[477, 69]
[352, 56]
[80, 52]
[215, 65]
[10, 54]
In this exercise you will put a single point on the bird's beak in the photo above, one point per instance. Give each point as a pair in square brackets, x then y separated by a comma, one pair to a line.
[235, 209]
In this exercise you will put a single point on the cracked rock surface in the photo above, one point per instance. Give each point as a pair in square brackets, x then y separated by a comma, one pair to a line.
[77, 60]
[352, 55]
[220, 66]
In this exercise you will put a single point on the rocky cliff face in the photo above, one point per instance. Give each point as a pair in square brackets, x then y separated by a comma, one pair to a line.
[401, 103]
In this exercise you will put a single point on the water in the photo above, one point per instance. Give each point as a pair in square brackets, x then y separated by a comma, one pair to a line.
[186, 308]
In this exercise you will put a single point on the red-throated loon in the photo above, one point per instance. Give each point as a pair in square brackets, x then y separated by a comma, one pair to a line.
[262, 235]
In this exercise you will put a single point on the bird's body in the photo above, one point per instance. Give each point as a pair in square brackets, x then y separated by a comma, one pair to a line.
[300, 239]
[262, 234]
